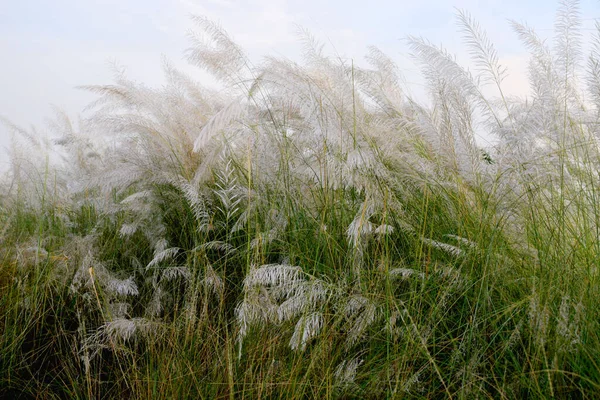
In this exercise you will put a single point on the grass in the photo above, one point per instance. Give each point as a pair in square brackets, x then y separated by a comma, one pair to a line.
[310, 232]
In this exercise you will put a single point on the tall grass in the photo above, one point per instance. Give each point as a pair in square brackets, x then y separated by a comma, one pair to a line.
[311, 231]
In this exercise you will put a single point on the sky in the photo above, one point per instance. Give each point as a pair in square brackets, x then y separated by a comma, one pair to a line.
[49, 48]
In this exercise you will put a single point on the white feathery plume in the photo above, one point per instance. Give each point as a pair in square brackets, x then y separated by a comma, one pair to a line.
[216, 52]
[593, 68]
[197, 200]
[445, 247]
[125, 287]
[160, 245]
[481, 48]
[128, 229]
[273, 275]
[383, 229]
[277, 223]
[363, 318]
[91, 272]
[382, 84]
[569, 324]
[292, 307]
[277, 293]
[405, 273]
[171, 273]
[359, 231]
[217, 123]
[469, 243]
[413, 383]
[155, 306]
[345, 373]
[123, 329]
[255, 310]
[568, 38]
[218, 245]
[212, 281]
[307, 327]
[443, 68]
[162, 255]
[119, 329]
[360, 227]
[307, 295]
[142, 195]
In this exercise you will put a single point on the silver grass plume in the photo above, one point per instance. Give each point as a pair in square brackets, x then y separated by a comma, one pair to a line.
[405, 273]
[218, 245]
[445, 247]
[306, 295]
[212, 282]
[464, 241]
[122, 287]
[171, 273]
[116, 332]
[360, 314]
[567, 40]
[593, 68]
[345, 374]
[218, 123]
[481, 49]
[539, 318]
[91, 272]
[216, 52]
[277, 293]
[161, 254]
[569, 321]
[359, 231]
[307, 327]
[273, 275]
[441, 67]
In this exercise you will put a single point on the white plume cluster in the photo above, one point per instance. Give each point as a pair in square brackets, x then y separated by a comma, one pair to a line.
[187, 198]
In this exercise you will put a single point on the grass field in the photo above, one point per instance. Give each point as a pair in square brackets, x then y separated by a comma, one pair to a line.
[310, 231]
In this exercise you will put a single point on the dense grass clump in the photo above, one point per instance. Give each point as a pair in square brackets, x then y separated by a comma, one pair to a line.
[310, 231]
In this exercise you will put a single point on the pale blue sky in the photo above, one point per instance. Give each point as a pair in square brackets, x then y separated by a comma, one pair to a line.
[49, 47]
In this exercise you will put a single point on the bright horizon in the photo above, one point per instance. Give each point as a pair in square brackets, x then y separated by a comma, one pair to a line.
[49, 50]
